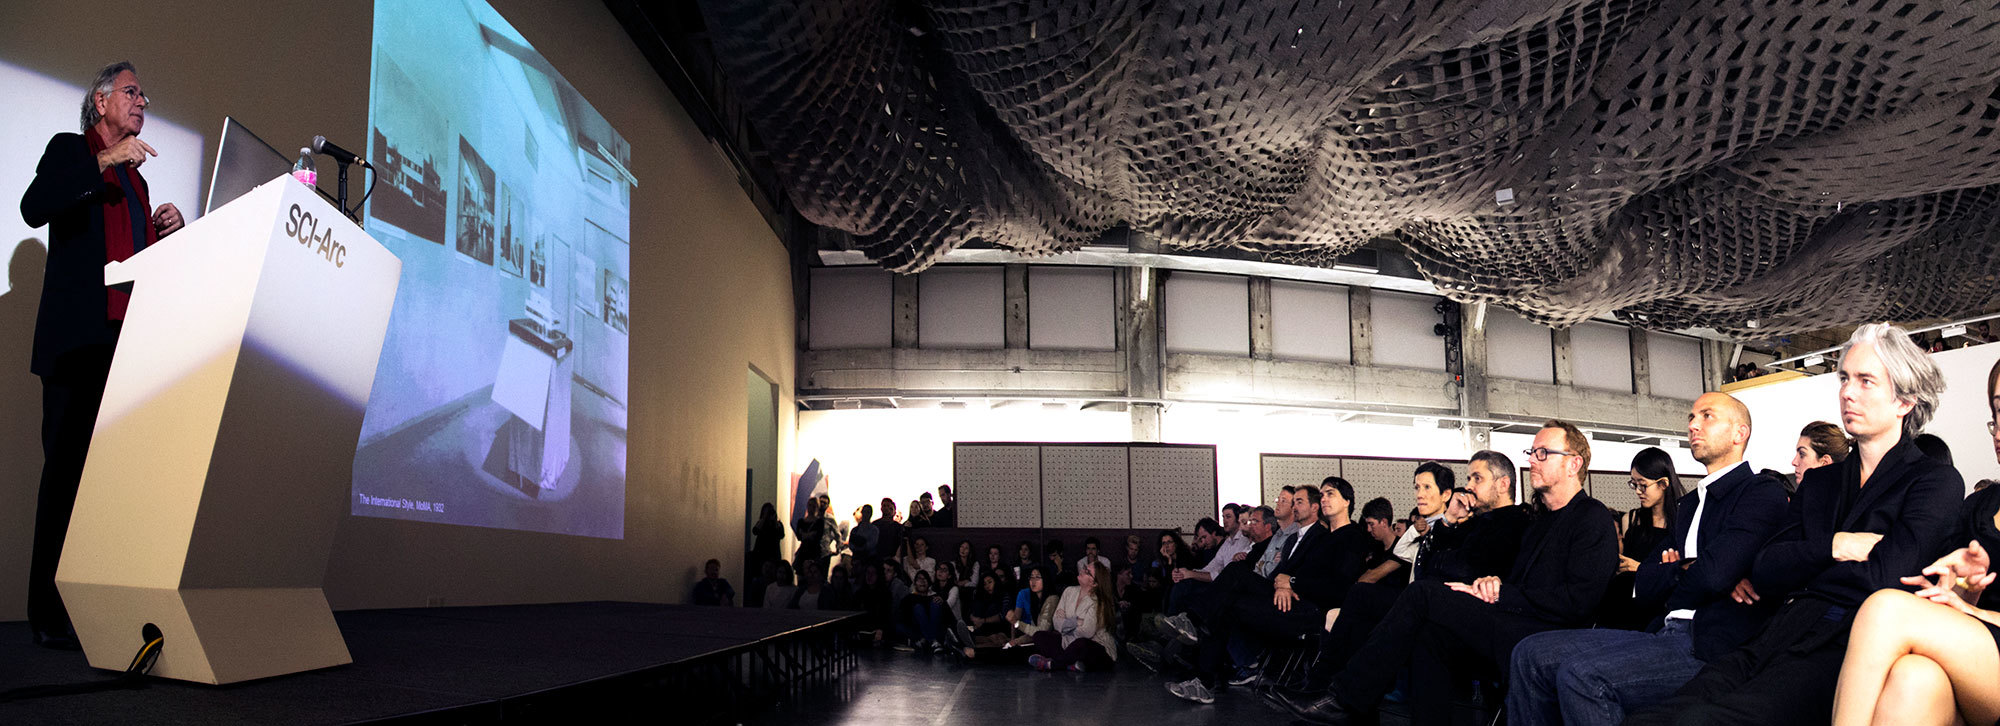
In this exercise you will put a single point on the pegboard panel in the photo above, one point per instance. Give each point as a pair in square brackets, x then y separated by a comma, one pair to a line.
[1172, 486]
[1381, 478]
[997, 485]
[1085, 486]
[1282, 470]
[1614, 489]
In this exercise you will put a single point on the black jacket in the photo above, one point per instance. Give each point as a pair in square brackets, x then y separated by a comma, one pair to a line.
[1325, 564]
[68, 194]
[1912, 501]
[1567, 559]
[1743, 510]
[1484, 545]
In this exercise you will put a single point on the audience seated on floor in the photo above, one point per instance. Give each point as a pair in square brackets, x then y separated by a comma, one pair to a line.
[778, 594]
[1077, 633]
[712, 589]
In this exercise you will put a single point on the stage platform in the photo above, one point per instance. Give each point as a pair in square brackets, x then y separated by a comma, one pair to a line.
[601, 661]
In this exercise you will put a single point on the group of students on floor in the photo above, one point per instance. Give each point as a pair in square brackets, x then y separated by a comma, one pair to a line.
[1853, 590]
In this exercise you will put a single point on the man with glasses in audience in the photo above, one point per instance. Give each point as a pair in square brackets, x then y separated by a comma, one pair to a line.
[1854, 527]
[1583, 677]
[1567, 558]
[88, 190]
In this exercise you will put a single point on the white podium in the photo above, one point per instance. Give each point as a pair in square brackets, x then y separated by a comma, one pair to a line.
[224, 449]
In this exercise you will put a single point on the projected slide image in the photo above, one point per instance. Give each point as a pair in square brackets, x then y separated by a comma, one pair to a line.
[511, 220]
[409, 153]
[500, 400]
[475, 205]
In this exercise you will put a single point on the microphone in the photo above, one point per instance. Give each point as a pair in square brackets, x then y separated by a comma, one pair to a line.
[321, 146]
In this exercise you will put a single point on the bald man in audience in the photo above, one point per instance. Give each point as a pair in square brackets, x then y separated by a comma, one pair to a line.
[1589, 677]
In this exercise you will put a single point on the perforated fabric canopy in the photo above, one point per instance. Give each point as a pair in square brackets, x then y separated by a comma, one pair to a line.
[1682, 164]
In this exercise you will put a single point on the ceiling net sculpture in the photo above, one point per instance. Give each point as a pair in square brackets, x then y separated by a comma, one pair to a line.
[1680, 164]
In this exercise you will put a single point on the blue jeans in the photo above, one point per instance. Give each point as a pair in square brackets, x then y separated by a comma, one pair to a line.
[1587, 677]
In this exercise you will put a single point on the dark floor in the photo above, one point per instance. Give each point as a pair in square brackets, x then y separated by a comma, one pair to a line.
[892, 688]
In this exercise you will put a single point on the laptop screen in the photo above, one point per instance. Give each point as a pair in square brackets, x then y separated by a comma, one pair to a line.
[242, 161]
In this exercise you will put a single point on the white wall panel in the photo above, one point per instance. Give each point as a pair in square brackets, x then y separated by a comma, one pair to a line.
[1601, 356]
[961, 307]
[1072, 308]
[1172, 486]
[1207, 314]
[1674, 364]
[1309, 322]
[849, 308]
[1402, 324]
[997, 485]
[1517, 348]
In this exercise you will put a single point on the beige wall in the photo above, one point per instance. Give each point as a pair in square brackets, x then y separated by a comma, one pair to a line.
[711, 290]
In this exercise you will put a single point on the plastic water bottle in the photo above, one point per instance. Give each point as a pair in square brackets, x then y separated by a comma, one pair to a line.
[303, 170]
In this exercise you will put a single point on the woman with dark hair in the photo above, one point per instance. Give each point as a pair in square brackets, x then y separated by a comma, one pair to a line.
[919, 559]
[1024, 560]
[986, 612]
[1820, 443]
[995, 566]
[1639, 531]
[963, 563]
[810, 529]
[1077, 632]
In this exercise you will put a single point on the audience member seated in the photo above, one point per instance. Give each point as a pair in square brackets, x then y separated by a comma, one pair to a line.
[1382, 578]
[1820, 443]
[1928, 662]
[923, 617]
[1227, 549]
[1485, 544]
[712, 589]
[919, 559]
[1598, 676]
[1656, 483]
[1024, 561]
[1208, 535]
[778, 594]
[944, 582]
[1313, 576]
[995, 565]
[1092, 553]
[985, 614]
[964, 563]
[1854, 528]
[807, 596]
[876, 603]
[1170, 553]
[1443, 631]
[1077, 636]
[1430, 483]
[1055, 569]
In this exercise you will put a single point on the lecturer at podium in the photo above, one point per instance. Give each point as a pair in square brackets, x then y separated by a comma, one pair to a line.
[87, 188]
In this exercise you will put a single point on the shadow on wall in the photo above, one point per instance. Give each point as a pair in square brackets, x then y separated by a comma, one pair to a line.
[20, 424]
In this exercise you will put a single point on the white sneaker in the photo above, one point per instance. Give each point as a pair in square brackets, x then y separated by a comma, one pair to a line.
[1193, 690]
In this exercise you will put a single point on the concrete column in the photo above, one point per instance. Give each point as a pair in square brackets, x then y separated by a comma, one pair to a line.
[903, 300]
[1260, 318]
[1642, 364]
[1145, 355]
[1472, 390]
[1016, 296]
[1359, 326]
[1565, 373]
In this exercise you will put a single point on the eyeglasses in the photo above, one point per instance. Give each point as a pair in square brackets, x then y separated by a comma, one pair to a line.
[132, 93]
[1543, 454]
[1639, 482]
[1992, 428]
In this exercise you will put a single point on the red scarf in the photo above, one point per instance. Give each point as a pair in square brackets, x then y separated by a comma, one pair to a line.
[119, 237]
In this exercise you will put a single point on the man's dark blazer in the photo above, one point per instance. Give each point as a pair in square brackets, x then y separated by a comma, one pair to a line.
[1567, 559]
[1740, 512]
[1481, 546]
[1911, 500]
[1325, 564]
[68, 194]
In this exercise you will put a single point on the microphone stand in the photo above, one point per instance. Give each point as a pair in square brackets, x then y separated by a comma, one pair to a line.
[343, 191]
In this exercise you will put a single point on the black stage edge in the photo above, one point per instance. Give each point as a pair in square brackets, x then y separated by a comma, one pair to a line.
[603, 661]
